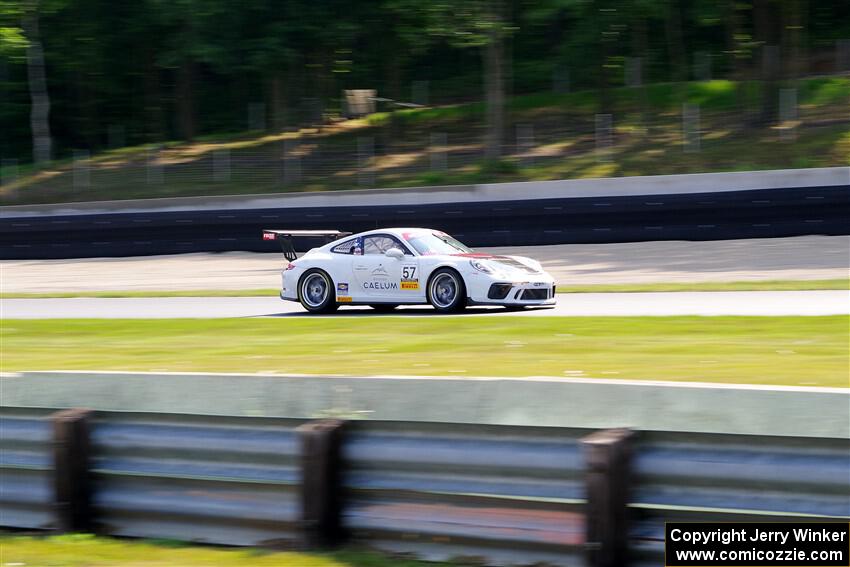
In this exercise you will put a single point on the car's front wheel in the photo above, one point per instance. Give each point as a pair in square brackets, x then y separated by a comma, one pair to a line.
[446, 291]
[316, 292]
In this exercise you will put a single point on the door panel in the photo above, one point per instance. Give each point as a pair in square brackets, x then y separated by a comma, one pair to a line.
[377, 276]
[382, 278]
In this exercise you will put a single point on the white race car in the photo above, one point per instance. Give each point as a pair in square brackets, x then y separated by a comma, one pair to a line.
[406, 266]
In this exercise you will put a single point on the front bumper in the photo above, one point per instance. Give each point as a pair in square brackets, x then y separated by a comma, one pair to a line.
[537, 291]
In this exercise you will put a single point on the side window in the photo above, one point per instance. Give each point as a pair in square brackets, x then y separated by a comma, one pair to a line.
[377, 244]
[380, 243]
[347, 247]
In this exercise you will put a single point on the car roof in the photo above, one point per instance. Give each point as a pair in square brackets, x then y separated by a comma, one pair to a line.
[395, 231]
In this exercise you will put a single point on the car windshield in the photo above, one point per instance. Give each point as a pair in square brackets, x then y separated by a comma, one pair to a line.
[430, 243]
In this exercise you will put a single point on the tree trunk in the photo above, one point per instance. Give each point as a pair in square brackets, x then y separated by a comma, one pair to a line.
[731, 31]
[640, 48]
[393, 70]
[791, 33]
[675, 43]
[87, 129]
[735, 61]
[40, 100]
[604, 105]
[766, 34]
[494, 85]
[277, 103]
[154, 123]
[185, 101]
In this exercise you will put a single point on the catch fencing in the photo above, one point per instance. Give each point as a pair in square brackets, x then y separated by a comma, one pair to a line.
[501, 494]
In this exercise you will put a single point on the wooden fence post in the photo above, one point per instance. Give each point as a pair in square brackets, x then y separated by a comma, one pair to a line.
[321, 489]
[71, 479]
[608, 468]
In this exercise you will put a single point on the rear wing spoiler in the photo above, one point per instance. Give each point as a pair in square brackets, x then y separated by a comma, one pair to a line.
[285, 238]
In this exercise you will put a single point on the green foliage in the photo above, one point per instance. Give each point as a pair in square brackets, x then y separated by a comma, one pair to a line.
[498, 167]
[13, 43]
[144, 67]
[825, 90]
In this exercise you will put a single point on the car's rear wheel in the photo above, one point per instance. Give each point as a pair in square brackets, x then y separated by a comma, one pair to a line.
[383, 307]
[446, 291]
[316, 292]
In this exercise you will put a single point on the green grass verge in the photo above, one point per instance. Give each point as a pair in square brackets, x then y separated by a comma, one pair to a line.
[811, 351]
[82, 550]
[771, 285]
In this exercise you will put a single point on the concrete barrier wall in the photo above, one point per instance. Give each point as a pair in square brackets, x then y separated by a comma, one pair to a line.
[659, 406]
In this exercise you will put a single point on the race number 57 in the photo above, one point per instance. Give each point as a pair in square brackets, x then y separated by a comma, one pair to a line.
[408, 272]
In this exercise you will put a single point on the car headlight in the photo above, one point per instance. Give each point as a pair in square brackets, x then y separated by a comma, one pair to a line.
[482, 266]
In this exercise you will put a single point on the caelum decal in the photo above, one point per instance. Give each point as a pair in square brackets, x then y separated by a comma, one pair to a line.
[380, 285]
[380, 271]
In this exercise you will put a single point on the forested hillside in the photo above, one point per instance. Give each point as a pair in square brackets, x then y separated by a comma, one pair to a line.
[128, 72]
[541, 83]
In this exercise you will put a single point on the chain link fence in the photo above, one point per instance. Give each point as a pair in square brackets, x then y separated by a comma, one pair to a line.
[384, 152]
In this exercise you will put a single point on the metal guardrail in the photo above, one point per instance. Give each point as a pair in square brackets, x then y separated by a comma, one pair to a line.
[508, 494]
[26, 468]
[218, 480]
[221, 480]
[722, 478]
[502, 494]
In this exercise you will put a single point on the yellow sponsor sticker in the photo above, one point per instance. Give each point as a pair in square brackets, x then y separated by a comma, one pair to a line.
[410, 285]
[343, 299]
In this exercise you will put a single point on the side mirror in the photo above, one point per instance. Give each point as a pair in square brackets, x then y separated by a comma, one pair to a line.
[394, 253]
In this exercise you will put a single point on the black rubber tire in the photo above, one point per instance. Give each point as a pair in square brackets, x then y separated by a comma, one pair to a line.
[441, 302]
[309, 295]
[383, 307]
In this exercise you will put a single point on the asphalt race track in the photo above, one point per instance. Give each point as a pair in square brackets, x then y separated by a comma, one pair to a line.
[767, 303]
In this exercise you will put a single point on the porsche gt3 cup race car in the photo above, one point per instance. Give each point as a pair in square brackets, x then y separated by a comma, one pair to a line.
[406, 266]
